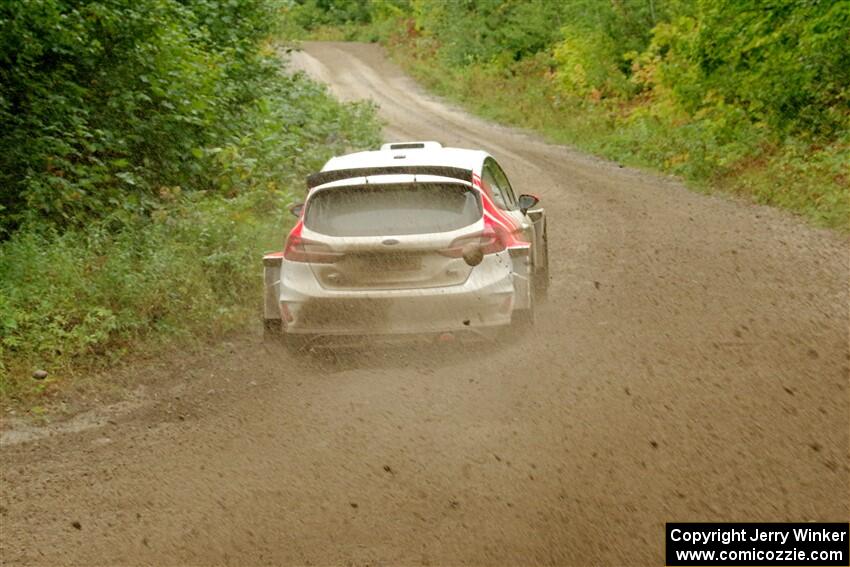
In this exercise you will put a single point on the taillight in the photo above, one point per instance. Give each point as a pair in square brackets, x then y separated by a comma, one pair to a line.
[300, 249]
[491, 240]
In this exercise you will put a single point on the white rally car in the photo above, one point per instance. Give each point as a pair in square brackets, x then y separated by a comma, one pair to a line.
[411, 241]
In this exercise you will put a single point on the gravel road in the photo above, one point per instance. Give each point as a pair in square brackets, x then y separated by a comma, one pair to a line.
[690, 365]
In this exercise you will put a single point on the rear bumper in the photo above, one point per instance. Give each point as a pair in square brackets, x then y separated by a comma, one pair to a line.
[485, 300]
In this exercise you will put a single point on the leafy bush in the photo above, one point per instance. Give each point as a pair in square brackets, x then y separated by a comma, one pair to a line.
[786, 66]
[486, 30]
[732, 93]
[312, 14]
[147, 150]
[71, 298]
[587, 65]
[102, 104]
[348, 20]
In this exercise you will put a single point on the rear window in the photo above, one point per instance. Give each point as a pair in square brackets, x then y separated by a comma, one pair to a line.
[384, 210]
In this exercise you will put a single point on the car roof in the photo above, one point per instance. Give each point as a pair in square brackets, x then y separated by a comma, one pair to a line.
[410, 154]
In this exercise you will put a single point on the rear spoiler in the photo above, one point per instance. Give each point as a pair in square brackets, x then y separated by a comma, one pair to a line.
[323, 177]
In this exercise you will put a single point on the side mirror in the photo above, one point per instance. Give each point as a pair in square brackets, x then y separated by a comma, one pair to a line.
[297, 209]
[525, 202]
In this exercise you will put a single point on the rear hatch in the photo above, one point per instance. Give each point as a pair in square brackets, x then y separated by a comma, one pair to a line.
[390, 236]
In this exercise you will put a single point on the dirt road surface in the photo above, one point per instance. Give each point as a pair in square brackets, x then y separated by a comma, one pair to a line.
[691, 365]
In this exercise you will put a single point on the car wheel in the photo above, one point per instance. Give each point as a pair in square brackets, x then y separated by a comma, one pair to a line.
[272, 330]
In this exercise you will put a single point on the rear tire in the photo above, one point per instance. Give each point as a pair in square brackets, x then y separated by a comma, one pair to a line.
[272, 330]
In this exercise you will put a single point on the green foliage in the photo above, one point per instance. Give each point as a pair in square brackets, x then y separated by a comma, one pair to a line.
[101, 104]
[784, 62]
[87, 291]
[587, 64]
[714, 151]
[147, 150]
[481, 31]
[311, 14]
[732, 93]
[72, 298]
[787, 64]
[361, 20]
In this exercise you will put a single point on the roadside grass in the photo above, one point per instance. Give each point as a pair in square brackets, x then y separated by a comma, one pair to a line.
[148, 150]
[753, 103]
[805, 177]
[78, 300]
[83, 299]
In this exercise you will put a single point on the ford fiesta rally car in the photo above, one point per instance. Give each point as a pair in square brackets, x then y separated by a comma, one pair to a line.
[411, 241]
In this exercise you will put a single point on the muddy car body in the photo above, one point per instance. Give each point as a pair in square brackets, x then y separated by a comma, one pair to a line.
[412, 240]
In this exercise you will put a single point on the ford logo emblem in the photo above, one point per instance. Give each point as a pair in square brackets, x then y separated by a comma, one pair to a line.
[390, 242]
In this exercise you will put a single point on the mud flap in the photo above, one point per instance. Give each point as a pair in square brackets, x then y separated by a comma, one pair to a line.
[538, 219]
[522, 277]
[271, 283]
